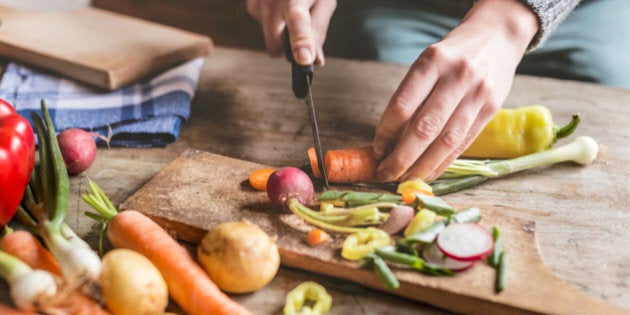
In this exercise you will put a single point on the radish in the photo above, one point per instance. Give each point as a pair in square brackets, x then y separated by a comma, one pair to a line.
[432, 254]
[289, 183]
[399, 218]
[465, 241]
[78, 149]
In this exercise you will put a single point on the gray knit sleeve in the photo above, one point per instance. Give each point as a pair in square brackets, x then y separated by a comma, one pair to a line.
[549, 13]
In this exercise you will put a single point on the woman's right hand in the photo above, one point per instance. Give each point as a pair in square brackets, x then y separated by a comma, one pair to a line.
[306, 21]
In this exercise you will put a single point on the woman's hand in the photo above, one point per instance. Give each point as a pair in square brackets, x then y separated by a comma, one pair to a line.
[452, 91]
[306, 20]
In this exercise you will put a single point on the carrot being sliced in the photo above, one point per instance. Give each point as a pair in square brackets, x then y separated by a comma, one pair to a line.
[316, 237]
[258, 178]
[351, 165]
[188, 283]
[25, 246]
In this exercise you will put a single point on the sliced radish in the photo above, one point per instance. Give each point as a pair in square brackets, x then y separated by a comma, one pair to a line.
[432, 254]
[465, 241]
[399, 218]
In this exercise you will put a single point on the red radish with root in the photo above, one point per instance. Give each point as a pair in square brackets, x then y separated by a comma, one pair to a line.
[465, 241]
[78, 149]
[289, 183]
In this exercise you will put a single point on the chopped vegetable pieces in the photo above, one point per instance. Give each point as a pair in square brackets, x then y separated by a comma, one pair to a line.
[465, 241]
[258, 178]
[316, 237]
[361, 243]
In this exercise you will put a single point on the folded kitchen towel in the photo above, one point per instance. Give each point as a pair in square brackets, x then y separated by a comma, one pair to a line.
[145, 114]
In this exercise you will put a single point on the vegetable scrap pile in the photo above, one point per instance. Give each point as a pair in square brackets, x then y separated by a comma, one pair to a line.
[422, 233]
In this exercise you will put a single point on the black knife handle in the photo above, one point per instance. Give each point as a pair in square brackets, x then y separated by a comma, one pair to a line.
[298, 72]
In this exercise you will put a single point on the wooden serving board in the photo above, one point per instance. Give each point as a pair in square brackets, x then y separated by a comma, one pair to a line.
[95, 46]
[199, 190]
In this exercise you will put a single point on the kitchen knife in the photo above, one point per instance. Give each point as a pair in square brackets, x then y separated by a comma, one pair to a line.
[301, 78]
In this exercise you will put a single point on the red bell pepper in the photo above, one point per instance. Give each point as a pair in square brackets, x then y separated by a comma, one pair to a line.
[17, 157]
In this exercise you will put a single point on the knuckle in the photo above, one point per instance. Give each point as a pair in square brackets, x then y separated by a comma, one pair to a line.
[466, 69]
[434, 52]
[401, 108]
[453, 137]
[427, 127]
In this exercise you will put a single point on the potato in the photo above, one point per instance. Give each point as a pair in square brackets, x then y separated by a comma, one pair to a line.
[239, 256]
[132, 285]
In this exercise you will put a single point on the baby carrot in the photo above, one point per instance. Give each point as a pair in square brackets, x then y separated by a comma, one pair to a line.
[25, 246]
[187, 282]
[258, 178]
[352, 165]
[316, 237]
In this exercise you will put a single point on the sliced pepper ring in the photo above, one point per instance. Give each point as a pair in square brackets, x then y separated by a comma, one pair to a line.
[361, 243]
[310, 291]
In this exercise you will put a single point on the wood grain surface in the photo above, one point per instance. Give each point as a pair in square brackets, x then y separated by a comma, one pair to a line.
[244, 108]
[95, 46]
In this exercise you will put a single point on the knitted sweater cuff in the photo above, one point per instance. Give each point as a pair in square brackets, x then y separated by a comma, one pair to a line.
[549, 14]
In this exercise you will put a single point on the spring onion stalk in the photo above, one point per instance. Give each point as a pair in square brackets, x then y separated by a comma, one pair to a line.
[29, 289]
[464, 173]
[45, 206]
[303, 212]
[343, 220]
[502, 272]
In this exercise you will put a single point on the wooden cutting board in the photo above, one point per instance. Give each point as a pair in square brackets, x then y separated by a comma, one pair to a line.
[199, 190]
[95, 46]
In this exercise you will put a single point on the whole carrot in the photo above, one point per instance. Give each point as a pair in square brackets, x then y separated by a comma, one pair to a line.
[25, 246]
[188, 284]
[351, 165]
[7, 310]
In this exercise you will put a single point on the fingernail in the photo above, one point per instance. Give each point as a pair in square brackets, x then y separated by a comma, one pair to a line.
[304, 56]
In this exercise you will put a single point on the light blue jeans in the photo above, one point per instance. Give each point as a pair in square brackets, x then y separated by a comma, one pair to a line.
[592, 44]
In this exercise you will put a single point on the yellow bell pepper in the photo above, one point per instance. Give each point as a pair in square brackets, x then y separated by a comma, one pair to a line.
[516, 132]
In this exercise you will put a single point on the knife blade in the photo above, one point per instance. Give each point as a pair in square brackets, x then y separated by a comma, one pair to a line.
[301, 78]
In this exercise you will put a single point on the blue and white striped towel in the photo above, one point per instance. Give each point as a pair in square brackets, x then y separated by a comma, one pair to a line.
[145, 114]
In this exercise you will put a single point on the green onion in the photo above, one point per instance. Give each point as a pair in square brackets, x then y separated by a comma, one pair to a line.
[464, 173]
[502, 272]
[495, 256]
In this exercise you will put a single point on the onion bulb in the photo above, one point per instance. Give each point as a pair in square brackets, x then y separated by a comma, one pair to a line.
[239, 256]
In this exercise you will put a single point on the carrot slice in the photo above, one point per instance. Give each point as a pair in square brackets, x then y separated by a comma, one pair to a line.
[258, 178]
[409, 195]
[312, 158]
[316, 237]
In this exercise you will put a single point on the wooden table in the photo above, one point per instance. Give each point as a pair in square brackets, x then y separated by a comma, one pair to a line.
[244, 108]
